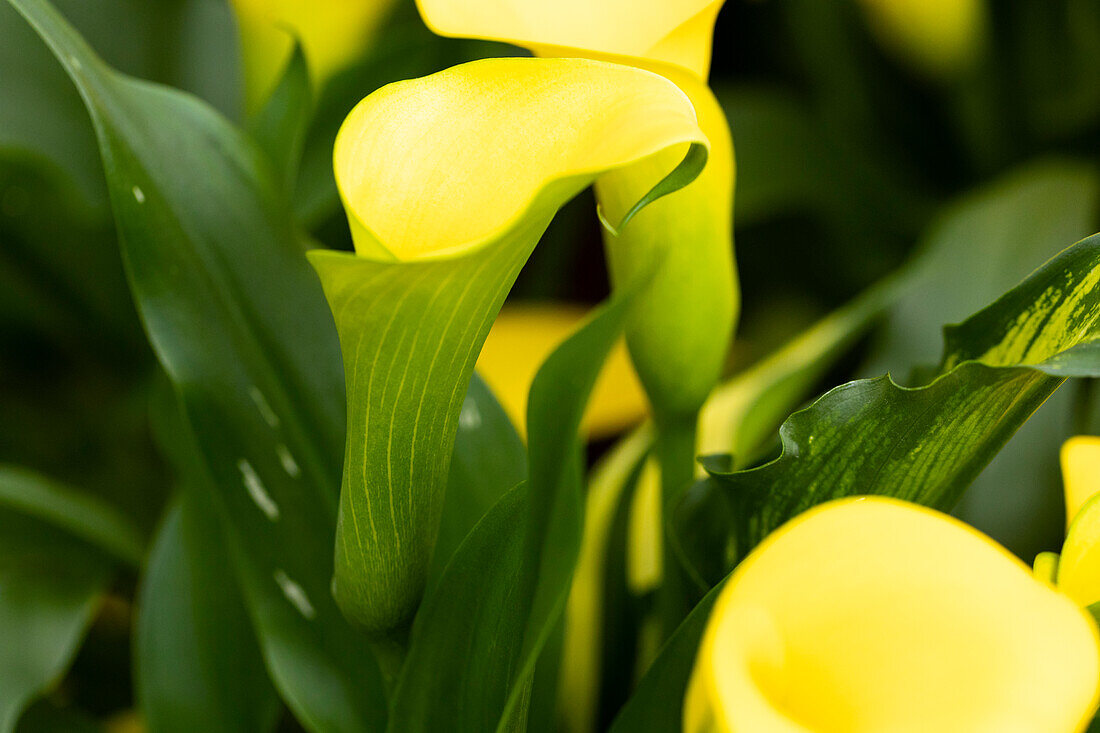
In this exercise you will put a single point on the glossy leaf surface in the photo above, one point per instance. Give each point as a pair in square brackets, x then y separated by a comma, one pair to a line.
[238, 321]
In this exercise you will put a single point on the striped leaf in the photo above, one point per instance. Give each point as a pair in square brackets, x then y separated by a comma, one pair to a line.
[927, 444]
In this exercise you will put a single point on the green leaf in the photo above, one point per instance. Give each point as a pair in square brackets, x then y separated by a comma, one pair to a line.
[198, 665]
[979, 248]
[927, 444]
[407, 367]
[239, 323]
[50, 587]
[489, 459]
[658, 701]
[82, 515]
[280, 126]
[478, 636]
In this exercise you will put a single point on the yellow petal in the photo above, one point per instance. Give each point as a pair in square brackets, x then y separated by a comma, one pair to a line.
[333, 33]
[524, 335]
[1080, 472]
[1079, 566]
[669, 31]
[938, 37]
[441, 165]
[873, 615]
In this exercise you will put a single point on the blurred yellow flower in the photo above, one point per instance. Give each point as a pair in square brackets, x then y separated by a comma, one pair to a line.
[333, 34]
[524, 335]
[874, 615]
[938, 37]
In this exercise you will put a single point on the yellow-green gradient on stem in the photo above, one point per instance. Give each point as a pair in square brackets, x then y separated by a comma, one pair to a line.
[911, 621]
[333, 33]
[448, 182]
[936, 37]
[680, 333]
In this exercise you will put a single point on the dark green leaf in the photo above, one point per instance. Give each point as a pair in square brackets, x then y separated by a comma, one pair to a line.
[658, 701]
[477, 638]
[280, 127]
[489, 459]
[239, 322]
[198, 665]
[927, 444]
[50, 586]
[82, 515]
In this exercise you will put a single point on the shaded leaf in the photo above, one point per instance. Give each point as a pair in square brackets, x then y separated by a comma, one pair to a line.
[82, 515]
[279, 128]
[50, 587]
[477, 638]
[238, 321]
[197, 663]
[658, 701]
[489, 459]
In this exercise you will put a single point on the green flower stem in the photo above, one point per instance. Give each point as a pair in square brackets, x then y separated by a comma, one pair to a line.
[675, 452]
[390, 650]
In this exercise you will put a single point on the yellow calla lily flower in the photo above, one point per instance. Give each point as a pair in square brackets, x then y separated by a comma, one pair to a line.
[448, 182]
[910, 621]
[679, 335]
[523, 335]
[939, 37]
[332, 32]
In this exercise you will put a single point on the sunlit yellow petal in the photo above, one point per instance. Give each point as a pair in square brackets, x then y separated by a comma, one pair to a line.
[1079, 566]
[333, 34]
[524, 335]
[1080, 472]
[938, 37]
[435, 166]
[670, 31]
[874, 615]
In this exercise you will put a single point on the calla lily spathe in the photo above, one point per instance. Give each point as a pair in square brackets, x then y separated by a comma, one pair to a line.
[680, 333]
[332, 32]
[911, 621]
[448, 183]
